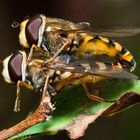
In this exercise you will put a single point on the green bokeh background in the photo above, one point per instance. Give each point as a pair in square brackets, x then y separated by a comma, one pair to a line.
[123, 126]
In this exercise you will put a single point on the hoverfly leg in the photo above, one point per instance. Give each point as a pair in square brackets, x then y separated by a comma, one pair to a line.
[64, 82]
[96, 92]
[66, 44]
[92, 97]
[96, 98]
[17, 101]
[26, 85]
[99, 99]
[31, 52]
[45, 88]
[51, 90]
[46, 98]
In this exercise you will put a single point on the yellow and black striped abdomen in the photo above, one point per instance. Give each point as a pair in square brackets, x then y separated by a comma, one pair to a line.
[98, 45]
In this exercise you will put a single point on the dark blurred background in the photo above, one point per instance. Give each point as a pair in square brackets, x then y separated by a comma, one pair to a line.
[123, 126]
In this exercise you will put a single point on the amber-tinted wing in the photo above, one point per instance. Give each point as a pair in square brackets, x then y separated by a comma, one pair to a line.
[64, 25]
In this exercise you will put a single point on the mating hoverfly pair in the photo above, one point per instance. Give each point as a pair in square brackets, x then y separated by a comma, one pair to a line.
[63, 53]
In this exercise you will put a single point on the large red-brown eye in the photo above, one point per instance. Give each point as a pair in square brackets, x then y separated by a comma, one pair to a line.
[32, 30]
[15, 67]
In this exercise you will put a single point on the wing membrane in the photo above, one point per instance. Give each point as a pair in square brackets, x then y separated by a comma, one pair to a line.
[108, 31]
[94, 68]
[116, 31]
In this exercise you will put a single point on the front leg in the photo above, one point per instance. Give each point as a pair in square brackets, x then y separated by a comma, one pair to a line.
[17, 101]
[31, 52]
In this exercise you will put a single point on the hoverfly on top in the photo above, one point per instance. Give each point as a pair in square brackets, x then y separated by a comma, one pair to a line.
[69, 53]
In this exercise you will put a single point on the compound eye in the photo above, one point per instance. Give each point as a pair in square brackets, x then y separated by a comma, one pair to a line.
[32, 30]
[15, 67]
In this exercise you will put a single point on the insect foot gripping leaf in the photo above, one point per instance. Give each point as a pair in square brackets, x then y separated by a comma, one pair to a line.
[74, 111]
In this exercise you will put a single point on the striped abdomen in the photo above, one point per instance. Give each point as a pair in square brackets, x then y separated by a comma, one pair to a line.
[100, 46]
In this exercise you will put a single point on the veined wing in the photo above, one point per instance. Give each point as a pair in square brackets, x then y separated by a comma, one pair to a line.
[116, 31]
[94, 68]
[66, 26]
[107, 31]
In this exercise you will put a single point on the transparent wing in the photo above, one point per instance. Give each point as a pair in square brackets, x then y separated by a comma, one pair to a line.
[116, 31]
[108, 31]
[94, 68]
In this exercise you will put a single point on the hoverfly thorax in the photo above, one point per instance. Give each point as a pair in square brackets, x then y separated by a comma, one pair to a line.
[35, 75]
[52, 42]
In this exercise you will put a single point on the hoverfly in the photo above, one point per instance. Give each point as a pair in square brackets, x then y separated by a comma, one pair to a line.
[64, 70]
[72, 52]
[56, 36]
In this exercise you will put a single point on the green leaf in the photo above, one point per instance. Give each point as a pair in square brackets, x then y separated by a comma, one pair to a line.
[72, 106]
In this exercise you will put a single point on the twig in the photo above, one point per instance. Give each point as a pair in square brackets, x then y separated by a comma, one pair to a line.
[38, 116]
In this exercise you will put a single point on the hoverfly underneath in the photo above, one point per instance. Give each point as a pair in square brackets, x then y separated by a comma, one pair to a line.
[68, 53]
[64, 70]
